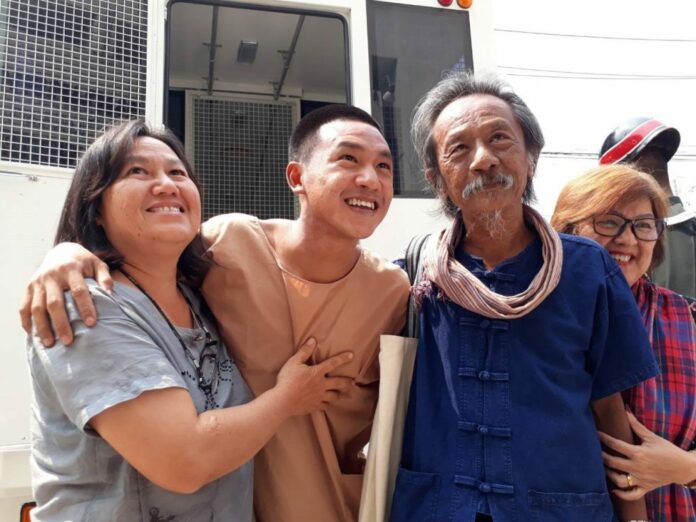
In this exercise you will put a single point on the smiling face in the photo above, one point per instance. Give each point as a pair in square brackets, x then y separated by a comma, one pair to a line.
[481, 154]
[153, 201]
[345, 184]
[632, 255]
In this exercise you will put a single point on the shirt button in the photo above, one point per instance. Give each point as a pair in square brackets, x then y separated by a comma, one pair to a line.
[485, 323]
[484, 487]
[484, 375]
[482, 429]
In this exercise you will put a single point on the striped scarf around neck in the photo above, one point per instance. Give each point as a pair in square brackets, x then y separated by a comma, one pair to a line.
[464, 288]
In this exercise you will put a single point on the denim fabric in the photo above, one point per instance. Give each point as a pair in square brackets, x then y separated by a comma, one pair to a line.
[499, 419]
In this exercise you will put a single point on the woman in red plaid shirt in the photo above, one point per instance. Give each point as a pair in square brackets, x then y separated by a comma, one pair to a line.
[623, 210]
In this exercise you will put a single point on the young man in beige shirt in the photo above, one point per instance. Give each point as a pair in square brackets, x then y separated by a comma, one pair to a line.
[274, 284]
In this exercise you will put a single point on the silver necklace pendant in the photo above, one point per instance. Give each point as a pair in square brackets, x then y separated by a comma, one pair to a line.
[200, 334]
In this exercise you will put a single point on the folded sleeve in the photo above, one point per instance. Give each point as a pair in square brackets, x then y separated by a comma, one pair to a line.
[620, 355]
[112, 362]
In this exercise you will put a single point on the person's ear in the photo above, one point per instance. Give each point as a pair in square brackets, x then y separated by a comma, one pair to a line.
[430, 175]
[531, 163]
[293, 175]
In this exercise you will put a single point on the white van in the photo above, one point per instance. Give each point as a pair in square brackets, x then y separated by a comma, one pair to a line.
[231, 79]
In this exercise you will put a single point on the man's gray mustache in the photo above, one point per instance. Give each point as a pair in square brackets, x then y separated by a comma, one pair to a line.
[505, 180]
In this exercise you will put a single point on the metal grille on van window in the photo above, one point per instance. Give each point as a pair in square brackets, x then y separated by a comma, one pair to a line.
[240, 152]
[68, 68]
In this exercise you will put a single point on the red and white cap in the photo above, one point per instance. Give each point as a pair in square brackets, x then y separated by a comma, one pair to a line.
[627, 141]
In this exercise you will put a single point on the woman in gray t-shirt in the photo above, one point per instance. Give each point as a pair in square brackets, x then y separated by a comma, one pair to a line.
[145, 416]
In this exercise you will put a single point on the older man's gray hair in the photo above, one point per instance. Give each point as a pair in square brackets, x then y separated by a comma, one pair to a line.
[457, 86]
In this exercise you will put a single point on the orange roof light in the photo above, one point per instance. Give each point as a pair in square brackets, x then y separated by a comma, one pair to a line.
[465, 4]
[24, 511]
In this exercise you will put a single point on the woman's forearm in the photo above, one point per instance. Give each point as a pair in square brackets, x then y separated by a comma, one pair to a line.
[161, 434]
[246, 429]
[163, 437]
[685, 469]
[651, 463]
[610, 417]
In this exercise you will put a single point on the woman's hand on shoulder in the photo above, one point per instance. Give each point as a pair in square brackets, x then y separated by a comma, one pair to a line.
[307, 388]
[64, 268]
[653, 463]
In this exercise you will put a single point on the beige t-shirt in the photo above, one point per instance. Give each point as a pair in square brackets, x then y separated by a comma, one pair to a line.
[309, 471]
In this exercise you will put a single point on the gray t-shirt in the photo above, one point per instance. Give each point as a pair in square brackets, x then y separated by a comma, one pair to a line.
[76, 475]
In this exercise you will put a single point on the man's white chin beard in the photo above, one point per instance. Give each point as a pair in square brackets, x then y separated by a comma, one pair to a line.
[492, 222]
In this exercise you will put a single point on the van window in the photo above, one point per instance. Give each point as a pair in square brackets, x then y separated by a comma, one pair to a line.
[238, 81]
[68, 69]
[411, 48]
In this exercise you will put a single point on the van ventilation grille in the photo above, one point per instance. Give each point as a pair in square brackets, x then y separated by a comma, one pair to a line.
[68, 68]
[239, 150]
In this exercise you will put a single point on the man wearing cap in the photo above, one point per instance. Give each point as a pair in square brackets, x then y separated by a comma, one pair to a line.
[650, 144]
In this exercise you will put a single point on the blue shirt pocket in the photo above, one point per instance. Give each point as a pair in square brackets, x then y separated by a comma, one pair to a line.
[415, 496]
[569, 507]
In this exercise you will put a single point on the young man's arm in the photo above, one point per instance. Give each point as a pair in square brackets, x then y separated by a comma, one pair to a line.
[64, 268]
[610, 417]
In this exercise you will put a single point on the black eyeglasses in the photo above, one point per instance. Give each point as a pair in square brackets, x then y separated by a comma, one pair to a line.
[612, 225]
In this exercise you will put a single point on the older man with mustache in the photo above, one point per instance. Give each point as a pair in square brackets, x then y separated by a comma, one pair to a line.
[526, 337]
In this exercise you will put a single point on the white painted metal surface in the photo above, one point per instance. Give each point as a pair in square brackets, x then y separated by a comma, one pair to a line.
[30, 204]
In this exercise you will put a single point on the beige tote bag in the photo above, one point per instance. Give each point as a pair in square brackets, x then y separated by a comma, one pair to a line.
[396, 358]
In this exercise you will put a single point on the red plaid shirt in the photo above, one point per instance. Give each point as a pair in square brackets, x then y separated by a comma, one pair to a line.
[666, 404]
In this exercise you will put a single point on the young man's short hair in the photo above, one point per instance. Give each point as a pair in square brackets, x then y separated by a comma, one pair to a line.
[304, 135]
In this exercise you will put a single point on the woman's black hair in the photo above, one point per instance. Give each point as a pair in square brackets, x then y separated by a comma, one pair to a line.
[98, 169]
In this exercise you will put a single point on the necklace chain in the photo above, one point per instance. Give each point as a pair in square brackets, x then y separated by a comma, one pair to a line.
[207, 388]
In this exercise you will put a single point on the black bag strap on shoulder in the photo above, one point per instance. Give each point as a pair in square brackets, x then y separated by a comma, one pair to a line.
[414, 269]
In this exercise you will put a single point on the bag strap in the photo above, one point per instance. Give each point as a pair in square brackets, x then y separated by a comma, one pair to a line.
[414, 269]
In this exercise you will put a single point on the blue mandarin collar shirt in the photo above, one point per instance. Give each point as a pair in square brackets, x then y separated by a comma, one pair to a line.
[499, 418]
